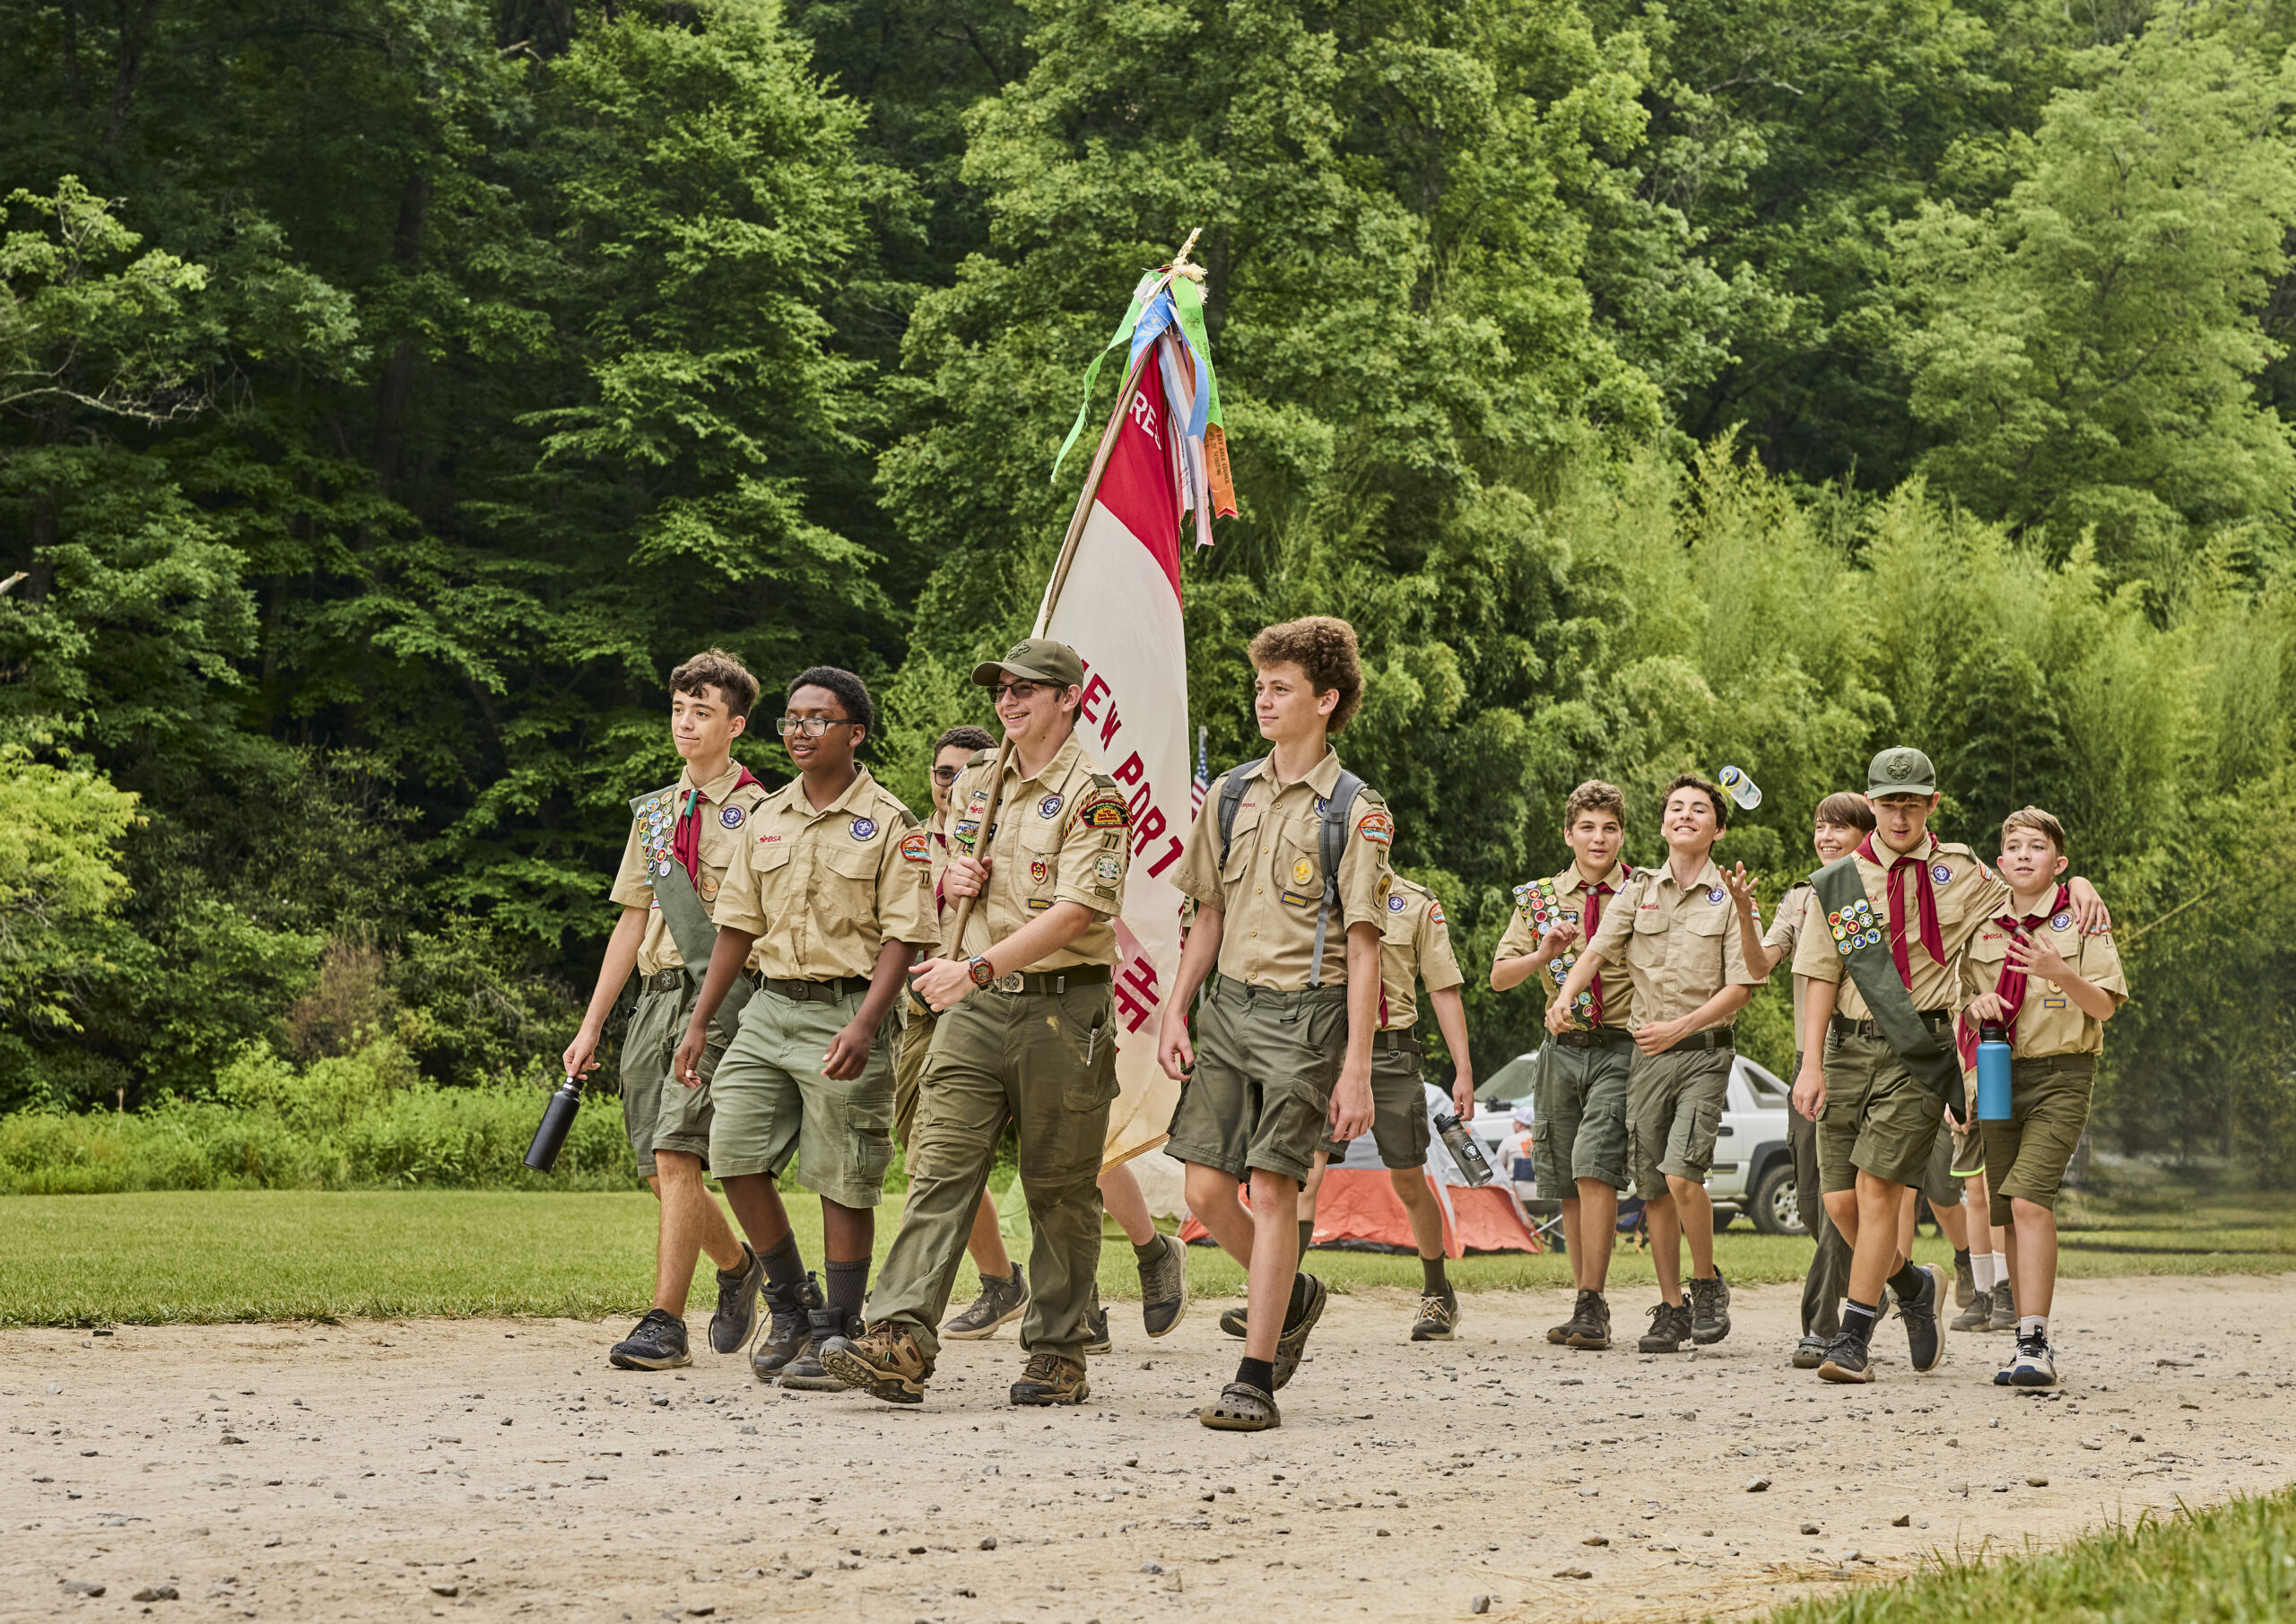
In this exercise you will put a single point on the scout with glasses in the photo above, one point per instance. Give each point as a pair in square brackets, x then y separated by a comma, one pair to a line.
[1026, 1036]
[830, 884]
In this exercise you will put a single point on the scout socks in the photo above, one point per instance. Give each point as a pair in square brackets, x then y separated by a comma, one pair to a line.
[1152, 1252]
[1436, 1283]
[2033, 1327]
[1981, 1265]
[1909, 1281]
[1857, 1320]
[1258, 1373]
[849, 1287]
[785, 1269]
[1307, 1235]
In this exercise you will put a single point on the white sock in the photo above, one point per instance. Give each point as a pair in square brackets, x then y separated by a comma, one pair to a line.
[1981, 1265]
[2000, 1269]
[2031, 1325]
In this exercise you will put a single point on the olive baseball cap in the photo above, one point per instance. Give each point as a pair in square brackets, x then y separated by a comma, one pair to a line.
[1902, 771]
[1037, 659]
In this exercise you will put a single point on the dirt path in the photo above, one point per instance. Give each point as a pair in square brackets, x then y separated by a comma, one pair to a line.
[490, 1469]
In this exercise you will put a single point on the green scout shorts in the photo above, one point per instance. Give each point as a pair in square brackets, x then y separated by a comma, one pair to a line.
[1265, 1064]
[1877, 1117]
[913, 1043]
[1673, 1105]
[660, 1112]
[2048, 1106]
[1578, 1117]
[1399, 1125]
[773, 1101]
[1941, 1186]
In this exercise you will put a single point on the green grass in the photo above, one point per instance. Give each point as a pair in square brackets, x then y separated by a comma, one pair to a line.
[2233, 1563]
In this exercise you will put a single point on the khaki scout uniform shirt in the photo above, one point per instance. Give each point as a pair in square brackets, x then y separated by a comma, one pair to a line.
[723, 812]
[1968, 893]
[1414, 945]
[824, 891]
[1272, 886]
[1783, 933]
[1565, 897]
[1061, 835]
[1680, 946]
[2048, 1022]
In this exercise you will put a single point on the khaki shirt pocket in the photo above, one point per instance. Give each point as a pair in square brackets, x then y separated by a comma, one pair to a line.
[1295, 864]
[1242, 843]
[1036, 875]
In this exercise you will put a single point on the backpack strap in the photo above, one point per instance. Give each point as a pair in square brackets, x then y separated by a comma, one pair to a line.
[1231, 796]
[1337, 806]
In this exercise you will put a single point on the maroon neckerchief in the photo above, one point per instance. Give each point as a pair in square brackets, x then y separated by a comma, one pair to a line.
[1594, 917]
[1933, 934]
[2012, 982]
[685, 843]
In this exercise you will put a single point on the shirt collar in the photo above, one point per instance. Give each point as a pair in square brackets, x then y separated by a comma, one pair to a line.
[716, 791]
[1323, 777]
[792, 797]
[1054, 771]
[1571, 879]
[1708, 877]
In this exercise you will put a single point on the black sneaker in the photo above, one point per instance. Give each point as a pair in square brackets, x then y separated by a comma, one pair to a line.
[805, 1373]
[1669, 1328]
[657, 1343]
[788, 1327]
[1709, 1310]
[1096, 1331]
[1964, 1280]
[1439, 1318]
[736, 1315]
[1923, 1339]
[1232, 1321]
[1589, 1328]
[1846, 1360]
[1163, 1288]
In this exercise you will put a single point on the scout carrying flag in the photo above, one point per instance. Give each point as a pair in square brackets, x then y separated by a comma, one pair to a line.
[1115, 597]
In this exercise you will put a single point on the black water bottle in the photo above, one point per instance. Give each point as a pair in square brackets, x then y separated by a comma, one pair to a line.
[557, 1122]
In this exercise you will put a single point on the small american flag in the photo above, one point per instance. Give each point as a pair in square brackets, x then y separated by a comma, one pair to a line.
[1201, 786]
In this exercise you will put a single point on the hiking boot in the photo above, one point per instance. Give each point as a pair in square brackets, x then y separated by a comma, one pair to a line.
[2034, 1366]
[1923, 1340]
[1241, 1408]
[736, 1315]
[1096, 1331]
[885, 1363]
[2004, 1308]
[657, 1343]
[1439, 1316]
[1050, 1379]
[805, 1373]
[788, 1327]
[1669, 1325]
[1846, 1360]
[1977, 1315]
[1232, 1321]
[1588, 1329]
[1163, 1288]
[1709, 1310]
[1002, 1300]
[1810, 1352]
[1293, 1342]
[1964, 1280]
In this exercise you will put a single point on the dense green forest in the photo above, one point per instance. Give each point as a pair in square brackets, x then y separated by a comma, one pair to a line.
[395, 389]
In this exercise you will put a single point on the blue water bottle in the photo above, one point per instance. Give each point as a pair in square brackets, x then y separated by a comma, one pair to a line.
[1992, 1072]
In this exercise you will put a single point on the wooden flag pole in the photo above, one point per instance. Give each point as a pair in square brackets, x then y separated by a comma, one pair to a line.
[1067, 556]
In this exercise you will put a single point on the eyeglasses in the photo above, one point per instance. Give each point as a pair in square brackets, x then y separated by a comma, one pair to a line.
[946, 775]
[813, 727]
[1022, 691]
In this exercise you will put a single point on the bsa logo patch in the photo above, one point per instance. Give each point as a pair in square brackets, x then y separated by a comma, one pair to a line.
[731, 817]
[1048, 808]
[914, 848]
[1435, 912]
[864, 828]
[1038, 872]
[1715, 893]
[1301, 873]
[1395, 904]
[1377, 828]
[2061, 922]
[1110, 869]
[1941, 873]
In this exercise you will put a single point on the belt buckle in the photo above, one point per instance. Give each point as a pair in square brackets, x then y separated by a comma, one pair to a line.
[1012, 981]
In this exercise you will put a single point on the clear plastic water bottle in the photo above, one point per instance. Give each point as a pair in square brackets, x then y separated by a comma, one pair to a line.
[1743, 790]
[1992, 1072]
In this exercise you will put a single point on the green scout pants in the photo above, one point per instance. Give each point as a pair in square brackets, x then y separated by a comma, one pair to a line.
[2048, 1106]
[1940, 1186]
[1260, 1095]
[1578, 1116]
[1877, 1117]
[661, 1113]
[1045, 1062]
[1828, 1280]
[1673, 1105]
[916, 1042]
[1399, 1125]
[774, 1101]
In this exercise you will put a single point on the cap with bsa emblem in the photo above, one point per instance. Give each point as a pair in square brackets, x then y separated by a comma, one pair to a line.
[1902, 771]
[1035, 660]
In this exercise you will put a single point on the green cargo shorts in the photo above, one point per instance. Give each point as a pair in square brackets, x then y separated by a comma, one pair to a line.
[913, 1045]
[1673, 1105]
[773, 1101]
[1941, 1186]
[660, 1112]
[2049, 1107]
[1265, 1064]
[1578, 1117]
[1878, 1118]
[1399, 1125]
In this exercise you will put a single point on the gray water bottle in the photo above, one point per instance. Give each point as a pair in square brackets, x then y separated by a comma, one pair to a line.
[1467, 1155]
[1743, 790]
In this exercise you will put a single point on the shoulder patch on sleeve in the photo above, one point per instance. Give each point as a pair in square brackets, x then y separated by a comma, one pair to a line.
[1435, 910]
[1103, 807]
[1377, 828]
[915, 847]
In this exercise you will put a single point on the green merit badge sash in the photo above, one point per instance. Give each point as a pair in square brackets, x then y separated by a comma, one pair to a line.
[683, 909]
[1861, 936]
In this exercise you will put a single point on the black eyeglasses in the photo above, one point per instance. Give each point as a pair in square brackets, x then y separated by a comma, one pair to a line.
[1022, 691]
[813, 727]
[946, 775]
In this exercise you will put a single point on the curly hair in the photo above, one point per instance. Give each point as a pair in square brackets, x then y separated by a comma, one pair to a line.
[964, 736]
[714, 668]
[850, 690]
[1322, 646]
[1594, 796]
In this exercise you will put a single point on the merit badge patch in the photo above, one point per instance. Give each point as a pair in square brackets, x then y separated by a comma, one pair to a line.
[663, 868]
[1301, 873]
[1105, 809]
[864, 828]
[2061, 922]
[1378, 827]
[1395, 903]
[1110, 869]
[914, 848]
[1940, 872]
[1048, 808]
[731, 817]
[1038, 872]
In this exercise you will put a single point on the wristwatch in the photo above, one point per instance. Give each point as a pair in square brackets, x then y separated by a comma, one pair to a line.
[982, 973]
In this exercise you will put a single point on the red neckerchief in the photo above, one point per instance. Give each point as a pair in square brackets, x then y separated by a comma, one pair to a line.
[1593, 917]
[2012, 982]
[1933, 934]
[685, 843]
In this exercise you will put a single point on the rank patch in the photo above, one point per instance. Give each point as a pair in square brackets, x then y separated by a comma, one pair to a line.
[731, 817]
[1378, 827]
[914, 848]
[1301, 872]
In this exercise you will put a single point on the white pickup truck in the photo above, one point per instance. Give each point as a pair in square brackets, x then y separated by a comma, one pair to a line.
[1754, 1168]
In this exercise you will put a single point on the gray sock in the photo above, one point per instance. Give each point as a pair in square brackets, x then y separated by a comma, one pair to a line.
[1154, 1252]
